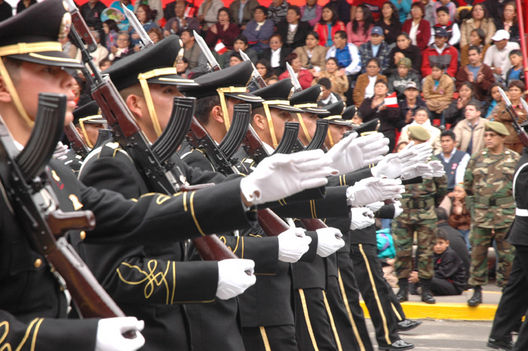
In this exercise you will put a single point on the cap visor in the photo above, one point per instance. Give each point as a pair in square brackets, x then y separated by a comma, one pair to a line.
[173, 79]
[50, 58]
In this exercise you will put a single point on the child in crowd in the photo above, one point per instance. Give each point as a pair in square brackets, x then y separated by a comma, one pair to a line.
[449, 272]
[495, 99]
[327, 96]
[517, 71]
[438, 89]
[443, 20]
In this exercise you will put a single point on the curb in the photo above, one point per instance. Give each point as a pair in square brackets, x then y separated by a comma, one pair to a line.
[442, 310]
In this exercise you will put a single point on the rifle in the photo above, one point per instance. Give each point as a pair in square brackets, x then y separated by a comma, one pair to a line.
[232, 140]
[208, 54]
[256, 77]
[198, 138]
[289, 138]
[523, 137]
[76, 141]
[24, 177]
[157, 173]
[82, 28]
[319, 135]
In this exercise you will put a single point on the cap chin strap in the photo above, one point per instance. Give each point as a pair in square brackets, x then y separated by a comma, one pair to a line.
[303, 127]
[223, 103]
[14, 94]
[330, 139]
[83, 129]
[150, 104]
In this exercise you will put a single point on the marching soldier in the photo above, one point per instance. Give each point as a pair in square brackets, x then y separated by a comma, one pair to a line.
[418, 203]
[488, 180]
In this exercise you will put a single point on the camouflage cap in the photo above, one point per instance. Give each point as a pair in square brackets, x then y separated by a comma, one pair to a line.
[497, 127]
[405, 61]
[418, 133]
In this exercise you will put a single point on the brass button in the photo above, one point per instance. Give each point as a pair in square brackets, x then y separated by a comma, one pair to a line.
[82, 234]
[37, 263]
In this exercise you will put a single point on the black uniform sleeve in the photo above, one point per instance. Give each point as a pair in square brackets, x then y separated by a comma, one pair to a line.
[334, 204]
[263, 250]
[312, 249]
[162, 281]
[45, 334]
[155, 217]
[350, 178]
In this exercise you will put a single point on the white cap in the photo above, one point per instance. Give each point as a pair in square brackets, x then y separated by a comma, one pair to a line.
[501, 34]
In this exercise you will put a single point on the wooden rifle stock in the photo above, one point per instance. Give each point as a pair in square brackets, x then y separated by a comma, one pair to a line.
[76, 141]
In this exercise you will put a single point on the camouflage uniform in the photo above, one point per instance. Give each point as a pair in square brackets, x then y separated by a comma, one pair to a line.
[418, 203]
[488, 183]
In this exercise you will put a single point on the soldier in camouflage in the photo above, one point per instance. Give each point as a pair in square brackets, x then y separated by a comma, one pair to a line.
[418, 204]
[488, 183]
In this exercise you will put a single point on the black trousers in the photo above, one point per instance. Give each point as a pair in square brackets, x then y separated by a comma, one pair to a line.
[276, 338]
[442, 287]
[513, 303]
[314, 320]
[352, 323]
[375, 291]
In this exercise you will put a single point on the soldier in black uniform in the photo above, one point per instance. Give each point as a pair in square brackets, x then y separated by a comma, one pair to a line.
[513, 305]
[100, 170]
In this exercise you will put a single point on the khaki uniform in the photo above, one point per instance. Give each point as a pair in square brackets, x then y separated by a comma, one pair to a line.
[418, 203]
[488, 182]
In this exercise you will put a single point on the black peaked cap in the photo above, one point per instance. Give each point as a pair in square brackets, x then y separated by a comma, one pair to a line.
[303, 99]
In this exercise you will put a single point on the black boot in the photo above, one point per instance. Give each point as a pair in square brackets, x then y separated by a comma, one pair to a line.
[403, 293]
[427, 294]
[413, 288]
[476, 299]
[506, 344]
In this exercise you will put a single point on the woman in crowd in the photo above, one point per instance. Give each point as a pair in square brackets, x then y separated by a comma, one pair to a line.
[276, 54]
[455, 111]
[417, 27]
[182, 67]
[312, 55]
[477, 38]
[405, 48]
[421, 118]
[155, 34]
[358, 29]
[336, 76]
[224, 30]
[292, 30]
[145, 17]
[111, 30]
[365, 83]
[459, 216]
[390, 22]
[375, 107]
[259, 30]
[303, 75]
[328, 26]
[479, 19]
[496, 98]
[508, 21]
[264, 68]
[516, 90]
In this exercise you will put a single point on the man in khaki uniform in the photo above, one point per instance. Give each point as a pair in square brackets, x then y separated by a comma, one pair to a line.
[488, 183]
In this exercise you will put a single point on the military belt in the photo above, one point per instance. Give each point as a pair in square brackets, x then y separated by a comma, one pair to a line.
[493, 201]
[418, 203]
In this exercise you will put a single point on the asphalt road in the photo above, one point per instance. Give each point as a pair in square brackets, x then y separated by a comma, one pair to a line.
[444, 335]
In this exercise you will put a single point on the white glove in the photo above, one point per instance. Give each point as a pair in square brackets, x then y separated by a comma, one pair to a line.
[438, 168]
[398, 210]
[375, 206]
[416, 170]
[293, 243]
[329, 240]
[281, 175]
[110, 334]
[372, 189]
[390, 166]
[352, 152]
[416, 153]
[233, 277]
[362, 217]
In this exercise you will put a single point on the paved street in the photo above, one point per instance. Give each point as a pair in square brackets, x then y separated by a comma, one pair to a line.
[443, 335]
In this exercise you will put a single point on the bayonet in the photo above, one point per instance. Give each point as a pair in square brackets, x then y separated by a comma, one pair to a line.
[206, 51]
[295, 81]
[261, 83]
